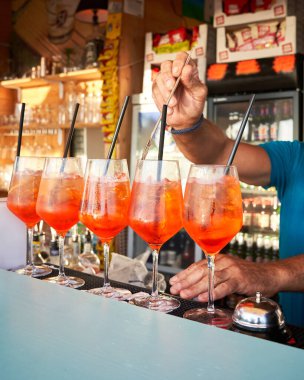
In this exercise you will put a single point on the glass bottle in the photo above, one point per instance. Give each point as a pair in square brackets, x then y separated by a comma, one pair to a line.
[241, 245]
[94, 44]
[250, 254]
[275, 249]
[260, 249]
[75, 262]
[44, 250]
[188, 254]
[88, 258]
[267, 249]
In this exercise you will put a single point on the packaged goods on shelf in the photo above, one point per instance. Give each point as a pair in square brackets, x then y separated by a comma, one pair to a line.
[159, 48]
[257, 40]
[163, 47]
[237, 12]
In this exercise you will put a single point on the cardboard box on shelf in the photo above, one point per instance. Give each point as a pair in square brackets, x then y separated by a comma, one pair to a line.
[198, 52]
[278, 9]
[287, 45]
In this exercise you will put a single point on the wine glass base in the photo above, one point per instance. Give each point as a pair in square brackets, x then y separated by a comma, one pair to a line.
[109, 292]
[220, 318]
[35, 271]
[161, 303]
[68, 281]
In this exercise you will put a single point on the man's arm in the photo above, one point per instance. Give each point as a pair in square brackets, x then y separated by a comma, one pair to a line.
[207, 144]
[233, 275]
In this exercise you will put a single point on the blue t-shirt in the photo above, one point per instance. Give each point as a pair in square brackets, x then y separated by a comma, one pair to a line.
[287, 175]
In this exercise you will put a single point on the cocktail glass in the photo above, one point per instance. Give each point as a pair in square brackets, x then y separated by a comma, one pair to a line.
[58, 205]
[212, 216]
[21, 201]
[104, 210]
[156, 215]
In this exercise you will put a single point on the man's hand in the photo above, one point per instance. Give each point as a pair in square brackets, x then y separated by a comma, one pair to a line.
[232, 275]
[187, 103]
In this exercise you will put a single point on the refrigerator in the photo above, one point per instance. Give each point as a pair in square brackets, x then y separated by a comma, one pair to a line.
[275, 116]
[180, 250]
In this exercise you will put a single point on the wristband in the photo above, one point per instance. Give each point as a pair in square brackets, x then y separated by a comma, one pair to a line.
[194, 127]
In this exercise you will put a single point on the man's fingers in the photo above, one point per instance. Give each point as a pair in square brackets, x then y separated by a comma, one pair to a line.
[179, 63]
[224, 286]
[187, 272]
[158, 96]
[189, 279]
[220, 291]
[166, 75]
[194, 290]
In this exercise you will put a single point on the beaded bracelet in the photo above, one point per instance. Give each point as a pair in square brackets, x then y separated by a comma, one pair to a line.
[190, 129]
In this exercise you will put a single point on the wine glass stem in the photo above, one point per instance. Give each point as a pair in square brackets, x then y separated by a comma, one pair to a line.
[106, 252]
[61, 256]
[29, 256]
[210, 263]
[154, 273]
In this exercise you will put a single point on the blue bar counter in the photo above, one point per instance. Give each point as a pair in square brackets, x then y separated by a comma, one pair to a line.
[50, 332]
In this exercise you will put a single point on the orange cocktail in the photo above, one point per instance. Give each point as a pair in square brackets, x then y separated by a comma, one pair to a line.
[108, 214]
[212, 216]
[21, 201]
[156, 215]
[58, 205]
[22, 197]
[104, 209]
[59, 200]
[217, 214]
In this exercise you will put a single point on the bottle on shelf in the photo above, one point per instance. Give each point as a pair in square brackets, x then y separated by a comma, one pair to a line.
[233, 246]
[70, 100]
[36, 244]
[274, 124]
[99, 253]
[264, 220]
[259, 249]
[250, 253]
[263, 126]
[255, 123]
[247, 217]
[267, 249]
[88, 257]
[44, 250]
[275, 249]
[94, 44]
[241, 250]
[54, 247]
[188, 255]
[74, 262]
[275, 217]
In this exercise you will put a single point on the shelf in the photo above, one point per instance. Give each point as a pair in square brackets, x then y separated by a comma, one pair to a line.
[266, 193]
[36, 126]
[277, 10]
[82, 125]
[21, 83]
[259, 231]
[80, 75]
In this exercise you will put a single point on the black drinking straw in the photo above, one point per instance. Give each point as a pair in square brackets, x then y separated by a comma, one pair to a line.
[239, 135]
[118, 125]
[72, 127]
[117, 128]
[20, 129]
[161, 140]
[162, 132]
